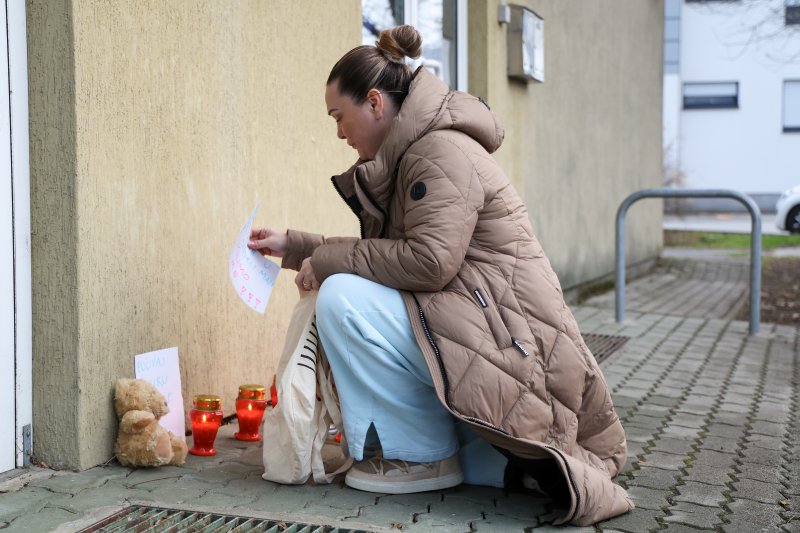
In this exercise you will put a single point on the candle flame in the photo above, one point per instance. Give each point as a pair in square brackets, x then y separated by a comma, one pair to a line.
[204, 417]
[249, 406]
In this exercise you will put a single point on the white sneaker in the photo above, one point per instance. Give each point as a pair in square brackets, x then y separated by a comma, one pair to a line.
[393, 476]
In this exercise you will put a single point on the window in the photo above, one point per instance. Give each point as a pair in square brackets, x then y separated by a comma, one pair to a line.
[791, 105]
[672, 36]
[792, 12]
[716, 95]
[442, 24]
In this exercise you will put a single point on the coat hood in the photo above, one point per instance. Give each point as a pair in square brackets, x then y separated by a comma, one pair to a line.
[430, 106]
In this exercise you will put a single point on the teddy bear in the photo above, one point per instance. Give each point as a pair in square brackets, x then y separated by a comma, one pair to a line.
[141, 440]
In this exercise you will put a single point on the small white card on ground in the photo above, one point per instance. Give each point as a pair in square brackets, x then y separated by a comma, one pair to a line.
[161, 369]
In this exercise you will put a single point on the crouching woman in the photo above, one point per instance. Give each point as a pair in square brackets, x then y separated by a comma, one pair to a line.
[454, 354]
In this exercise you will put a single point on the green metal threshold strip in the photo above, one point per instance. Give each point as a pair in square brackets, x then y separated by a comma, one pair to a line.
[603, 346]
[143, 519]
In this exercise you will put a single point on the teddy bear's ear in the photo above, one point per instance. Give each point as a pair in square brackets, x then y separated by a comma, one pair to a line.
[122, 395]
[121, 385]
[147, 389]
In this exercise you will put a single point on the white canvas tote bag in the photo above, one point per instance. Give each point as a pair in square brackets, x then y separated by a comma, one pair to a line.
[295, 430]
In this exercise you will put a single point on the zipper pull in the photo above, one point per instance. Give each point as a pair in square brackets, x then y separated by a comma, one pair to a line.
[518, 345]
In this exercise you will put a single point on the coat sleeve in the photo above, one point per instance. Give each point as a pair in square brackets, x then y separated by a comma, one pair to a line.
[437, 226]
[300, 244]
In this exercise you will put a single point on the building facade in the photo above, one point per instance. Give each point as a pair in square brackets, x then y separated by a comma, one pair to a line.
[732, 98]
[155, 128]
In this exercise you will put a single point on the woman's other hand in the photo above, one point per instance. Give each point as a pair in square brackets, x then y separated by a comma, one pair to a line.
[305, 279]
[268, 241]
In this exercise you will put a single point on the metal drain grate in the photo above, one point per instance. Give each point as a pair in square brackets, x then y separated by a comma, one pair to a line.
[603, 346]
[143, 519]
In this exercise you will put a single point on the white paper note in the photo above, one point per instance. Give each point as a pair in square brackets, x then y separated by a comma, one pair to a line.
[161, 369]
[253, 275]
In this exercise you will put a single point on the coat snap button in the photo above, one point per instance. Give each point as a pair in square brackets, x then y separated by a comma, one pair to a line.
[418, 190]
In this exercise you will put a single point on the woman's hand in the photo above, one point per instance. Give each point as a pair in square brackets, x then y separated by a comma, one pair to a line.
[268, 241]
[305, 279]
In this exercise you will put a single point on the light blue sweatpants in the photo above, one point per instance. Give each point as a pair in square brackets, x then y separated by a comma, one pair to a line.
[383, 381]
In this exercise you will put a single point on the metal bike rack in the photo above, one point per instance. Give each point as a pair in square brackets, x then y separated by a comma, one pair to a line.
[755, 243]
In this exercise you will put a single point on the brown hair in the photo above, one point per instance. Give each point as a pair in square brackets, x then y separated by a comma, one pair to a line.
[379, 67]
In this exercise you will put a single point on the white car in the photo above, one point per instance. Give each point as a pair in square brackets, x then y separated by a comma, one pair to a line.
[787, 217]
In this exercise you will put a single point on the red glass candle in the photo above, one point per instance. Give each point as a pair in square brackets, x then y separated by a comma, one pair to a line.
[250, 407]
[206, 417]
[273, 393]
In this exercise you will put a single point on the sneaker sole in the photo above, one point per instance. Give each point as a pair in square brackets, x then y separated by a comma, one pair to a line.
[407, 487]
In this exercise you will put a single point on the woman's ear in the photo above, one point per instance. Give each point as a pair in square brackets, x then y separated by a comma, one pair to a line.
[376, 103]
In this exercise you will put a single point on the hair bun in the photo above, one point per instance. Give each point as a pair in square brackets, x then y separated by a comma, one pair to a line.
[400, 42]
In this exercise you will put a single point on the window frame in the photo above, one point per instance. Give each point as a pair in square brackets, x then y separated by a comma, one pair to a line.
[721, 101]
[791, 13]
[411, 16]
[790, 128]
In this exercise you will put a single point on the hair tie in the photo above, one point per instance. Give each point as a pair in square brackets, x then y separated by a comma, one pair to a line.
[385, 53]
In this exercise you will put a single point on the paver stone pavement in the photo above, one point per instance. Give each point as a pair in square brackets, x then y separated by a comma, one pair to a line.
[712, 415]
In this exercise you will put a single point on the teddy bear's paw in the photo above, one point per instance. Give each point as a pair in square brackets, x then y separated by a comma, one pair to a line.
[179, 450]
[163, 448]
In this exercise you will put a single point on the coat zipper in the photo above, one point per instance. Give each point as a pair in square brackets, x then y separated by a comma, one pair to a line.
[353, 209]
[435, 350]
[384, 212]
[444, 374]
[365, 191]
[486, 424]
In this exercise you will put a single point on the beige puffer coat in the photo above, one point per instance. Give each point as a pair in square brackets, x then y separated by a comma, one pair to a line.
[441, 221]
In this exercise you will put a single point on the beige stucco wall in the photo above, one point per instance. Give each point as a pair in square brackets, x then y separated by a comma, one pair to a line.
[155, 129]
[579, 143]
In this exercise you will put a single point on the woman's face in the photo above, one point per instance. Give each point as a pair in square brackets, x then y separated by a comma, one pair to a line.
[364, 125]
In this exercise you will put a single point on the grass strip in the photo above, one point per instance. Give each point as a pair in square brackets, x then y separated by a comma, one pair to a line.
[705, 239]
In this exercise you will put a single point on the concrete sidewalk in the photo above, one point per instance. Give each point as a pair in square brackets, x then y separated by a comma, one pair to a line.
[712, 417]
